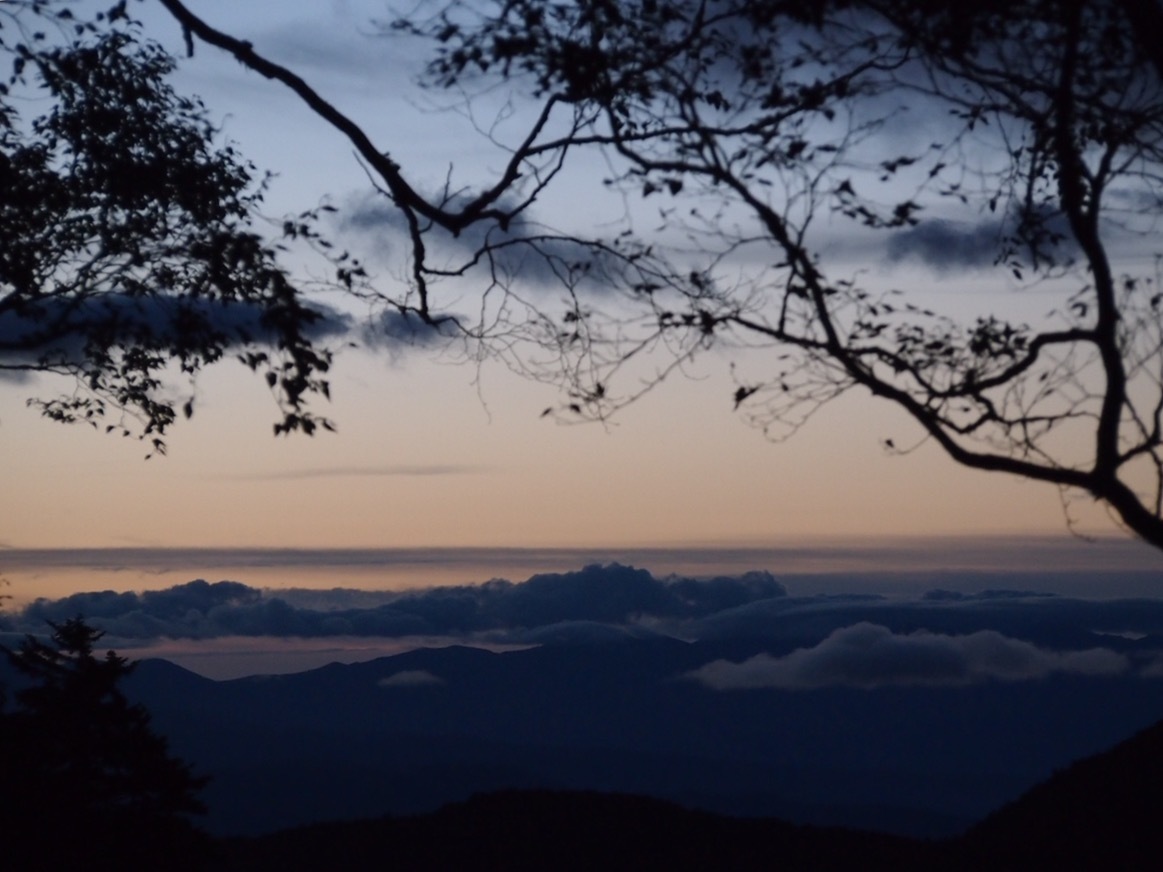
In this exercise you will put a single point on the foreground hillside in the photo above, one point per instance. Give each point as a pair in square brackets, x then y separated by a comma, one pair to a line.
[573, 831]
[1101, 813]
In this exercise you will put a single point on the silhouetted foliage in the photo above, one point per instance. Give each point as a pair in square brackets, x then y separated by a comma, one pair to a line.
[126, 238]
[1019, 138]
[84, 781]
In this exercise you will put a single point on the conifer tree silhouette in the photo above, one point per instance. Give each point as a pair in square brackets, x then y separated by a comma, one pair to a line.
[84, 780]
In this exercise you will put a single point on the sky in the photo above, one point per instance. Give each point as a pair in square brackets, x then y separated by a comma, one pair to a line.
[436, 454]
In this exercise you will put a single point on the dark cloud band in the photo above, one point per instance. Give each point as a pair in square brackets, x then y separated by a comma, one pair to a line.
[609, 595]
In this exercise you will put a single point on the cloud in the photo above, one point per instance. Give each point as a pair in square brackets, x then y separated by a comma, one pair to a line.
[947, 245]
[411, 678]
[1055, 622]
[614, 595]
[60, 327]
[723, 592]
[1153, 668]
[327, 48]
[944, 245]
[941, 595]
[1140, 199]
[861, 640]
[578, 633]
[868, 655]
[1117, 567]
[619, 594]
[391, 329]
[526, 250]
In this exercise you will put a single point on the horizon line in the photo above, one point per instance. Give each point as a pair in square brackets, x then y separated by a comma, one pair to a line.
[956, 551]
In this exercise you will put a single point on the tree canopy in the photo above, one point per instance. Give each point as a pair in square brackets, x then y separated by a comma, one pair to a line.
[129, 251]
[1017, 143]
[1035, 161]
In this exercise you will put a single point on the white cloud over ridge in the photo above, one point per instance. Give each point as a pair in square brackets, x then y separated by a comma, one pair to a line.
[411, 678]
[867, 655]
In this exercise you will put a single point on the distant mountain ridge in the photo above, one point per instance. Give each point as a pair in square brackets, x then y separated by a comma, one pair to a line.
[343, 742]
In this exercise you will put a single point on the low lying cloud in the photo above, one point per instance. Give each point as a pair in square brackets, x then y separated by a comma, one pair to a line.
[868, 655]
[578, 633]
[946, 637]
[412, 678]
[565, 605]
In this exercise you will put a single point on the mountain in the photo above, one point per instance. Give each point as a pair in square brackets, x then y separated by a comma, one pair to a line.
[1099, 813]
[408, 734]
[537, 830]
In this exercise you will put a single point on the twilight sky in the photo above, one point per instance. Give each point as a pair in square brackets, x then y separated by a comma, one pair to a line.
[431, 453]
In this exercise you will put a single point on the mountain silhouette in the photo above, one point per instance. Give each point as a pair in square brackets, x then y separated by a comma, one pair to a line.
[1099, 813]
[576, 756]
[408, 734]
[579, 830]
